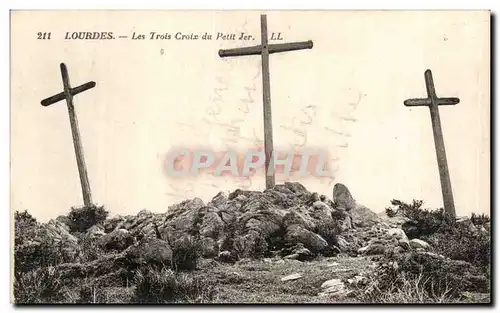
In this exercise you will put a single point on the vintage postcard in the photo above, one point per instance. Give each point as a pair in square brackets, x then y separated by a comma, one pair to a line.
[250, 156]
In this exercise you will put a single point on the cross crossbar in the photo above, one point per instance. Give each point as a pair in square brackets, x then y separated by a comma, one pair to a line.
[273, 48]
[428, 102]
[73, 91]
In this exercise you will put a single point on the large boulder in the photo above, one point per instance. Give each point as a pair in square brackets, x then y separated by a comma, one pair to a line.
[363, 216]
[58, 231]
[211, 225]
[342, 197]
[297, 234]
[118, 240]
[113, 223]
[149, 251]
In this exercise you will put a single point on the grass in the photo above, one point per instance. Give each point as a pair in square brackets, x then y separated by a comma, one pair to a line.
[411, 290]
[259, 281]
[167, 286]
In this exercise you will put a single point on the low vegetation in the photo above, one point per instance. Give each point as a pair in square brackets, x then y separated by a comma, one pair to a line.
[460, 260]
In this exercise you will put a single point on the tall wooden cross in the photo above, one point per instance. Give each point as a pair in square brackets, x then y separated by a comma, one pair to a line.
[432, 101]
[68, 94]
[264, 49]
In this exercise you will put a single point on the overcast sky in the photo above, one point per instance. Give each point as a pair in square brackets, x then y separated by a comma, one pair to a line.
[344, 96]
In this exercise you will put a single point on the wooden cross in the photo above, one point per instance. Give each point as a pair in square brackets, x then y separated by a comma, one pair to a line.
[432, 101]
[68, 94]
[264, 49]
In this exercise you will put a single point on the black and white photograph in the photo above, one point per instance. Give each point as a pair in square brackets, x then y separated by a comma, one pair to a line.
[250, 157]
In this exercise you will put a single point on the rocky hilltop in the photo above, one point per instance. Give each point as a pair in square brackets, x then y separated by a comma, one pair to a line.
[286, 224]
[286, 221]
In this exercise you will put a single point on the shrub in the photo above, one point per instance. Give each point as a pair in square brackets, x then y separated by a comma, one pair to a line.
[85, 217]
[24, 219]
[42, 285]
[164, 286]
[25, 227]
[462, 242]
[390, 212]
[479, 219]
[456, 240]
[185, 254]
[438, 275]
[90, 249]
[421, 221]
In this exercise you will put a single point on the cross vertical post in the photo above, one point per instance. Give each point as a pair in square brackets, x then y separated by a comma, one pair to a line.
[433, 102]
[266, 99]
[68, 94]
[265, 49]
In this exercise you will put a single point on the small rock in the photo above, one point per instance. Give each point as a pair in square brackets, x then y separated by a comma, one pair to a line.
[363, 249]
[300, 253]
[418, 243]
[332, 264]
[372, 249]
[404, 244]
[293, 256]
[399, 249]
[472, 228]
[397, 233]
[225, 257]
[291, 277]
[318, 205]
[332, 287]
[356, 280]
[96, 231]
[343, 244]
[384, 225]
[241, 198]
[315, 197]
[332, 283]
[376, 248]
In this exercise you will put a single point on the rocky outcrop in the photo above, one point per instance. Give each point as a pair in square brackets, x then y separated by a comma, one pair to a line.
[244, 223]
[286, 219]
